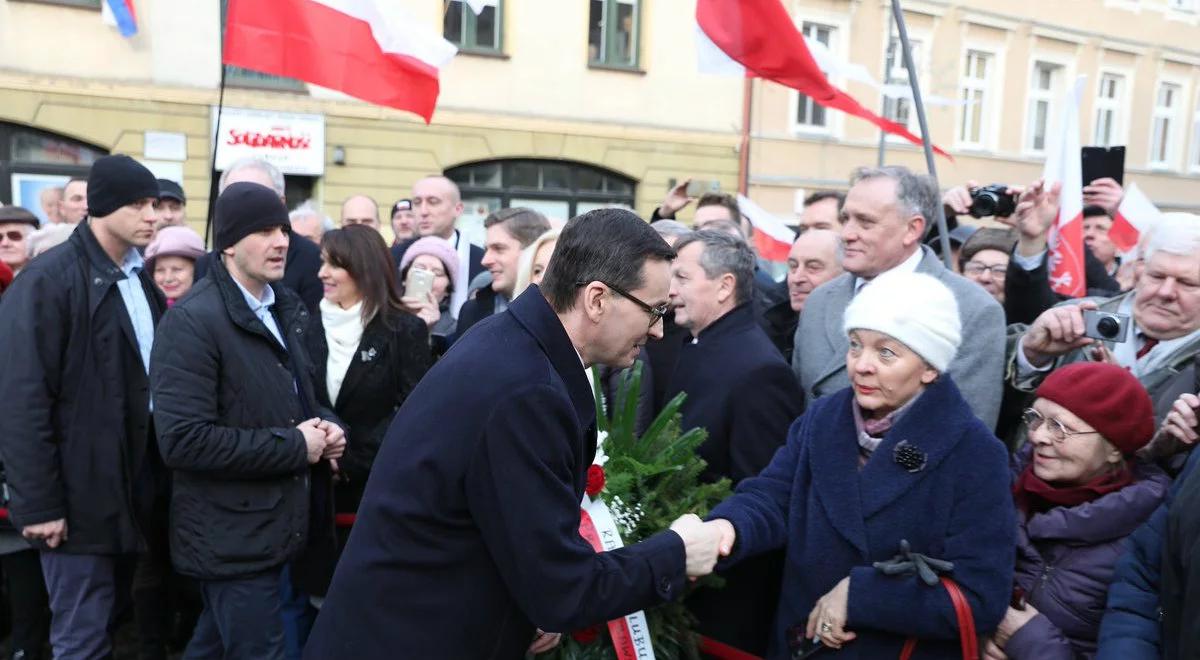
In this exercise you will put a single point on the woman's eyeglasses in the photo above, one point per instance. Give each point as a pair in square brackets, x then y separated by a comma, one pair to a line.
[1034, 420]
[656, 313]
[13, 235]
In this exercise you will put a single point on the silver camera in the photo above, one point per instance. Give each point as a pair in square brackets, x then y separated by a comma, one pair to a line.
[1106, 326]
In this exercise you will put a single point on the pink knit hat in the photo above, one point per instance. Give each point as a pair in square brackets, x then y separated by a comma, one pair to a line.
[436, 247]
[176, 242]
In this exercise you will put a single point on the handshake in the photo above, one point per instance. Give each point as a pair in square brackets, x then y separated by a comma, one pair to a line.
[323, 439]
[704, 542]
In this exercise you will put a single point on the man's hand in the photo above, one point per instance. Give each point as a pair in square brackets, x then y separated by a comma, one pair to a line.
[1181, 421]
[958, 198]
[1057, 331]
[676, 199]
[728, 535]
[314, 438]
[1105, 193]
[53, 532]
[543, 642]
[335, 440]
[1036, 210]
[700, 544]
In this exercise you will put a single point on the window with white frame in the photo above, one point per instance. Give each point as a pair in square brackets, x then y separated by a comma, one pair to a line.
[1110, 99]
[976, 69]
[809, 114]
[1045, 83]
[1166, 107]
[900, 110]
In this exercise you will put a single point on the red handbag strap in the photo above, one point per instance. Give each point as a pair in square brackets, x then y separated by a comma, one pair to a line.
[966, 624]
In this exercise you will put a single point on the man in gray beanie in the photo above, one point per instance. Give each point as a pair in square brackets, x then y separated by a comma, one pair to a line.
[83, 472]
[240, 426]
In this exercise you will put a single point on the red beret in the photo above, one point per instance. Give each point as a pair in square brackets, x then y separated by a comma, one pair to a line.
[1109, 398]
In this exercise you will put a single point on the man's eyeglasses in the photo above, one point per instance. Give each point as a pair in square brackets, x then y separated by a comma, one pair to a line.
[13, 235]
[1034, 420]
[975, 269]
[656, 313]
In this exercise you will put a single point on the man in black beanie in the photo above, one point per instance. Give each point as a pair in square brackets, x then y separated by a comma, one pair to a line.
[83, 471]
[239, 425]
[172, 205]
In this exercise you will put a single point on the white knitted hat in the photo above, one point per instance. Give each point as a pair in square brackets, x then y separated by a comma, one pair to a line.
[915, 309]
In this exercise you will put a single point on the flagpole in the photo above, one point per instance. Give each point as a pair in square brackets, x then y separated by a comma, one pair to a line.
[212, 174]
[943, 233]
[744, 145]
[887, 79]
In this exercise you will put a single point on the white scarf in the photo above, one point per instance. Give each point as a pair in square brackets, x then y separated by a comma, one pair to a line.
[343, 331]
[463, 281]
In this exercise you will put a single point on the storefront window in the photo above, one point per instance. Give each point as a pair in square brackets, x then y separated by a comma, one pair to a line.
[559, 188]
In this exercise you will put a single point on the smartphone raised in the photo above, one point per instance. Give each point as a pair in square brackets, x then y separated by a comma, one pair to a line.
[1102, 162]
[698, 188]
[418, 284]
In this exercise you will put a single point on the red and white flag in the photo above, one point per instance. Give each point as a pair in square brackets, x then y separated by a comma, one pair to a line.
[772, 238]
[370, 49]
[760, 35]
[1134, 217]
[1063, 165]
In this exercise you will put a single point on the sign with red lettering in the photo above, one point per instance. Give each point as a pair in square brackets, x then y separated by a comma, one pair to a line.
[295, 143]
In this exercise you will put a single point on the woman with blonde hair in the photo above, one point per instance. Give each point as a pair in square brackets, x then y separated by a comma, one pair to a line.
[534, 259]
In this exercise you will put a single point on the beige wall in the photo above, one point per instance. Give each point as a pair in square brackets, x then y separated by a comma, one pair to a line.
[1144, 41]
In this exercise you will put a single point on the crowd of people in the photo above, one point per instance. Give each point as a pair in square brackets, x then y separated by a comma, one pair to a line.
[308, 442]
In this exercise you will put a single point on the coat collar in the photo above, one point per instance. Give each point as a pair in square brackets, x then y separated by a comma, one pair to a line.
[240, 313]
[734, 322]
[103, 274]
[534, 313]
[934, 426]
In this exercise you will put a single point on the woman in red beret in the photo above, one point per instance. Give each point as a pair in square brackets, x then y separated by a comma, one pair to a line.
[1079, 492]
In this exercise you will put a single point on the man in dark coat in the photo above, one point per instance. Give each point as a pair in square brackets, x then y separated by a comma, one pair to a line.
[303, 256]
[467, 540]
[238, 424]
[509, 231]
[744, 394]
[82, 469]
[815, 258]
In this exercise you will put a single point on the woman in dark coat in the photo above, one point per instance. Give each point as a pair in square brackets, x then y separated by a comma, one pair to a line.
[1079, 493]
[369, 355]
[897, 458]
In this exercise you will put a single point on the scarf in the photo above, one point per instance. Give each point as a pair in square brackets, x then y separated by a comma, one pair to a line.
[343, 331]
[1034, 495]
[871, 431]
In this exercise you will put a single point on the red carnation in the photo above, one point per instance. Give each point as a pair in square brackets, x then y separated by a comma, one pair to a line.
[591, 633]
[595, 480]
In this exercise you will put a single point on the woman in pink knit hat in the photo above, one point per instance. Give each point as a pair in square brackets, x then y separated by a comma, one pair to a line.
[171, 258]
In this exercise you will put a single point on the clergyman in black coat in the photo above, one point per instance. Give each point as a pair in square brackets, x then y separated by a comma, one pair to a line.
[467, 539]
[740, 390]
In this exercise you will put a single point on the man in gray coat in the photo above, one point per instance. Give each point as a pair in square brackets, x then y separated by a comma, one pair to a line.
[884, 219]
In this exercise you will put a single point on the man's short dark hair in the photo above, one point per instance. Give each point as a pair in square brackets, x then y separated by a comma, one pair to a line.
[1093, 211]
[524, 224]
[604, 245]
[721, 199]
[724, 253]
[822, 195]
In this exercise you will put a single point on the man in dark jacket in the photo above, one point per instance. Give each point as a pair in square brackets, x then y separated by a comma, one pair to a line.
[467, 540]
[815, 258]
[238, 424]
[508, 232]
[303, 256]
[742, 392]
[82, 468]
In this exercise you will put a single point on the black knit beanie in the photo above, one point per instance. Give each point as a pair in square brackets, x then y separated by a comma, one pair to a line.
[116, 181]
[245, 208]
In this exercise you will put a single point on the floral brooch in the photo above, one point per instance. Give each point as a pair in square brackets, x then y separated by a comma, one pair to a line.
[909, 457]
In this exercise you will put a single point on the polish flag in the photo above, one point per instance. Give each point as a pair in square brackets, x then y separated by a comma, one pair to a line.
[760, 35]
[370, 49]
[772, 239]
[1134, 217]
[1064, 166]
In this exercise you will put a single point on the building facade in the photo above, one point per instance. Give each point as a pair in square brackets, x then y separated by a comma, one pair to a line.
[560, 105]
[1001, 69]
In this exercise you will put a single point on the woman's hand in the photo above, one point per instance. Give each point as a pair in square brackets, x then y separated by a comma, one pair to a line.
[828, 618]
[1013, 621]
[993, 652]
[426, 309]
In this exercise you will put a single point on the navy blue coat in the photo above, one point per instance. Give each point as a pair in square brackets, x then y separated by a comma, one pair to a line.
[835, 520]
[742, 392]
[467, 537]
[1132, 624]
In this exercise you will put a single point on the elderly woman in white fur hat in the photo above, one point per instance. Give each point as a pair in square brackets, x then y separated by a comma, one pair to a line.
[880, 488]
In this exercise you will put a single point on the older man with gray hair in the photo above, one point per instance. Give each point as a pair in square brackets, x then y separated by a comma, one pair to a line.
[884, 218]
[308, 221]
[303, 255]
[739, 389]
